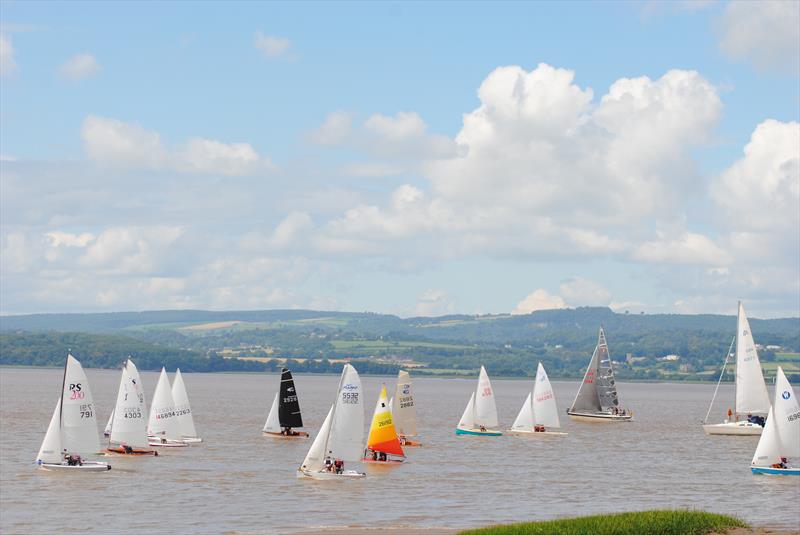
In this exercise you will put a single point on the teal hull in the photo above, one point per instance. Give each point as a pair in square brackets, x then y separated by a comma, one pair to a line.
[479, 433]
[775, 471]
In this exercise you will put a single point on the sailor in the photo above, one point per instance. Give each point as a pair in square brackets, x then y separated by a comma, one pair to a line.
[483, 429]
[374, 455]
[328, 463]
[338, 464]
[402, 440]
[382, 456]
[127, 449]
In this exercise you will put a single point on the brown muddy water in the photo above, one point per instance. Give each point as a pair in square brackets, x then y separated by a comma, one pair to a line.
[239, 482]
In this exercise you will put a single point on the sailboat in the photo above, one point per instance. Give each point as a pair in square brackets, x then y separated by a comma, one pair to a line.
[284, 415]
[163, 428]
[781, 436]
[597, 399]
[383, 445]
[128, 433]
[752, 400]
[184, 410]
[72, 432]
[539, 412]
[340, 437]
[403, 410]
[480, 416]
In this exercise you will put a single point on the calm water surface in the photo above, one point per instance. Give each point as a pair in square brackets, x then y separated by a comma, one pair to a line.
[239, 482]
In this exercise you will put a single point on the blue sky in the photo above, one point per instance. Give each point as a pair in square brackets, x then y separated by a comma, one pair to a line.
[410, 158]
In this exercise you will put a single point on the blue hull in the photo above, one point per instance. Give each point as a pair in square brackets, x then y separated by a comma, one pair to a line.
[479, 433]
[776, 471]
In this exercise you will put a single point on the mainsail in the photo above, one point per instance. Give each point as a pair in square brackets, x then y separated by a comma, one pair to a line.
[289, 406]
[347, 426]
[78, 420]
[485, 408]
[545, 410]
[402, 405]
[382, 434]
[129, 426]
[163, 421]
[751, 391]
[598, 391]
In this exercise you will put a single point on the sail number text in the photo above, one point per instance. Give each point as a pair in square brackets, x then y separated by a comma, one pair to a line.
[87, 411]
[350, 397]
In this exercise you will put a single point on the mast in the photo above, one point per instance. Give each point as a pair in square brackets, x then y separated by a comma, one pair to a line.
[61, 400]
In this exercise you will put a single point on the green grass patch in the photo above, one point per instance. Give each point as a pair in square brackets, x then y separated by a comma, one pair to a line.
[389, 344]
[656, 522]
[783, 357]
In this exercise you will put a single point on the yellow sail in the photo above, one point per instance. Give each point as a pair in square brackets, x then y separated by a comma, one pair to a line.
[382, 434]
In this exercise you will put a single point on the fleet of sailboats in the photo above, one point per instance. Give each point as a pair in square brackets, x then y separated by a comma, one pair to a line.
[340, 438]
[383, 444]
[539, 413]
[284, 415]
[780, 440]
[480, 416]
[72, 433]
[597, 399]
[751, 402]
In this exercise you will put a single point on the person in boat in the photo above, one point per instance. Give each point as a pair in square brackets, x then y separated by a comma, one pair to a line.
[483, 428]
[402, 440]
[127, 449]
[382, 456]
[730, 414]
[328, 464]
[338, 465]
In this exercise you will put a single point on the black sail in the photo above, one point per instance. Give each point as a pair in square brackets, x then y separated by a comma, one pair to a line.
[288, 406]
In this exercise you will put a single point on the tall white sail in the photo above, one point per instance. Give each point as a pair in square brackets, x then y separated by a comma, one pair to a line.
[273, 424]
[525, 417]
[50, 451]
[485, 408]
[182, 406]
[403, 410]
[768, 451]
[315, 458]
[163, 421]
[78, 419]
[129, 426]
[787, 416]
[346, 441]
[545, 410]
[468, 418]
[587, 398]
[133, 373]
[107, 430]
[751, 391]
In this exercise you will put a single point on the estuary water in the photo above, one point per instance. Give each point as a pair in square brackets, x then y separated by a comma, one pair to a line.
[239, 482]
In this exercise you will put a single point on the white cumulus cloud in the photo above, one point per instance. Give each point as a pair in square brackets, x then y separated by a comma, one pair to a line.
[434, 303]
[79, 66]
[539, 300]
[579, 291]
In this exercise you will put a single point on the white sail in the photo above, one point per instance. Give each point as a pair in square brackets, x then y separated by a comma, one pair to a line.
[133, 373]
[404, 412]
[273, 424]
[787, 416]
[391, 405]
[525, 417]
[182, 406]
[129, 426]
[545, 410]
[163, 421]
[315, 458]
[485, 408]
[768, 451]
[346, 441]
[78, 419]
[751, 391]
[107, 430]
[50, 452]
[468, 418]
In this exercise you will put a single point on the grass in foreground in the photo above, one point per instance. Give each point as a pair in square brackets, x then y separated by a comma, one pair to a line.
[657, 522]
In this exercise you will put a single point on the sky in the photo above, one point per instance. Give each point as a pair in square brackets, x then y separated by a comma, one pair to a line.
[405, 158]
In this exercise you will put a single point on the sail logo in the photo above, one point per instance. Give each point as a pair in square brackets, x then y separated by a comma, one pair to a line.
[406, 389]
[745, 332]
[350, 386]
[786, 394]
[290, 389]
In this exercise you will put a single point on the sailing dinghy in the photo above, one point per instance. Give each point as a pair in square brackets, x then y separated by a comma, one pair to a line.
[284, 415]
[72, 433]
[403, 410]
[163, 428]
[340, 437]
[539, 413]
[597, 399]
[752, 399]
[480, 416]
[781, 437]
[128, 433]
[383, 445]
[184, 410]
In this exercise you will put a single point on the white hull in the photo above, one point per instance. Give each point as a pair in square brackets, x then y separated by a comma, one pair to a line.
[324, 475]
[85, 467]
[591, 418]
[733, 428]
[192, 440]
[156, 443]
[531, 433]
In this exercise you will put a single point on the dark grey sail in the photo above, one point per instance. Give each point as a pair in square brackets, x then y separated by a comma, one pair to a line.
[605, 384]
[288, 405]
[588, 398]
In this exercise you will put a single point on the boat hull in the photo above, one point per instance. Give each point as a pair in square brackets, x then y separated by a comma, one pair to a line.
[134, 451]
[167, 444]
[192, 440]
[85, 467]
[531, 433]
[410, 443]
[300, 434]
[389, 462]
[324, 475]
[599, 417]
[775, 471]
[733, 428]
[479, 433]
